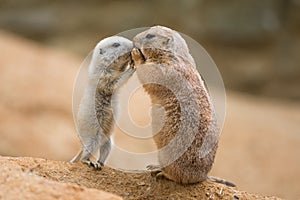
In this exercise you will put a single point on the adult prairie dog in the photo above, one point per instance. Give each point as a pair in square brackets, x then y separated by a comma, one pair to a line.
[110, 67]
[168, 72]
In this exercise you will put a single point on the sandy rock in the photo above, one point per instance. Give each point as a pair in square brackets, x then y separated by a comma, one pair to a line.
[19, 182]
[22, 178]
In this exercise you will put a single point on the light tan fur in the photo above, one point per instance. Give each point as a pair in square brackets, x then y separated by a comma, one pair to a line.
[110, 68]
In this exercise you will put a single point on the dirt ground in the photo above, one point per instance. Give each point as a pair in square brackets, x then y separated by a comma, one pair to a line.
[127, 185]
[19, 182]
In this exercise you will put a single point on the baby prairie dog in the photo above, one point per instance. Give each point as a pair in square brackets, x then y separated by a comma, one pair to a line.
[110, 67]
[161, 56]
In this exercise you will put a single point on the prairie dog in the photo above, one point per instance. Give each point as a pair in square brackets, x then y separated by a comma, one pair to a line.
[110, 67]
[161, 56]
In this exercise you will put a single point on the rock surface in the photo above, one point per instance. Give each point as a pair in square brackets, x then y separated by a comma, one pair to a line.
[18, 180]
[34, 178]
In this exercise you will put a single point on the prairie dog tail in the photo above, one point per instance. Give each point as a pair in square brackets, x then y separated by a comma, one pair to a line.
[220, 180]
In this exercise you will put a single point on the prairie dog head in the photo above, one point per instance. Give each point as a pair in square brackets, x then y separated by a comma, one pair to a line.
[161, 56]
[162, 38]
[111, 60]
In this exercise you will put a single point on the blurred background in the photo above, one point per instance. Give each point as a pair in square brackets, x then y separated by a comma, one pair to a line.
[255, 45]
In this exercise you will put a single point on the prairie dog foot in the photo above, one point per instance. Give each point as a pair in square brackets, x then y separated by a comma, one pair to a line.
[156, 171]
[76, 157]
[86, 160]
[95, 165]
[153, 168]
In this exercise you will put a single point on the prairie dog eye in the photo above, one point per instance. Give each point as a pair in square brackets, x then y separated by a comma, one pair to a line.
[149, 36]
[116, 44]
[101, 51]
